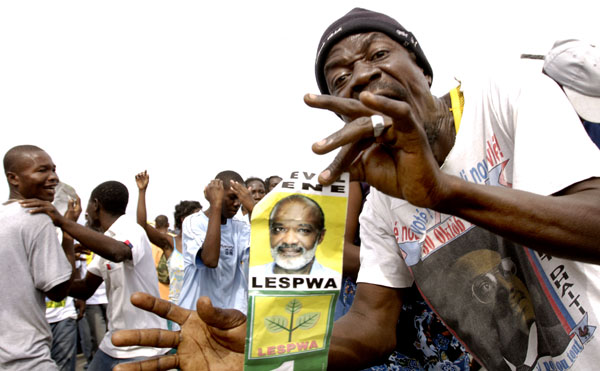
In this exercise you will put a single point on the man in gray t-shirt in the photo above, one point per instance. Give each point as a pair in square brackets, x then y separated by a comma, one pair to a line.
[32, 262]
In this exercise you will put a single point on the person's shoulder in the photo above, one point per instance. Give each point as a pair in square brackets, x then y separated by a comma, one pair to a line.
[195, 219]
[194, 223]
[323, 270]
[260, 270]
[13, 211]
[379, 201]
[125, 227]
[512, 79]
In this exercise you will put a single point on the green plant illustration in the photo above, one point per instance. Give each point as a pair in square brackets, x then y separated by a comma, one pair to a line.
[305, 321]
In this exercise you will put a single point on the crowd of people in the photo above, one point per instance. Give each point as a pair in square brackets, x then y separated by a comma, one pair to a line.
[475, 216]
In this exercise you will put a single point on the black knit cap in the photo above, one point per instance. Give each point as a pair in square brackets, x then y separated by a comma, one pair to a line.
[360, 20]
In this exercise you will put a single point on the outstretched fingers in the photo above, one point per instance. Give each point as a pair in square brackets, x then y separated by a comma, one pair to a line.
[160, 307]
[148, 338]
[354, 131]
[343, 161]
[399, 111]
[227, 326]
[167, 362]
[218, 317]
[352, 138]
[347, 107]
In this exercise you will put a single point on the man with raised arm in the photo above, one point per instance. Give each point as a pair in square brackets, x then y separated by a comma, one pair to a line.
[216, 246]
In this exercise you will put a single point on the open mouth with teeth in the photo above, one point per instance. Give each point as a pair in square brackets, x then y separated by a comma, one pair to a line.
[290, 251]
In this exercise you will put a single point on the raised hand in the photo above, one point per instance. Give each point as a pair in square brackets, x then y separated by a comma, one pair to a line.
[399, 162]
[210, 338]
[243, 194]
[214, 191]
[73, 209]
[142, 179]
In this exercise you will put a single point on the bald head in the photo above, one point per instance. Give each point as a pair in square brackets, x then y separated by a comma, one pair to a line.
[16, 156]
[312, 207]
[30, 173]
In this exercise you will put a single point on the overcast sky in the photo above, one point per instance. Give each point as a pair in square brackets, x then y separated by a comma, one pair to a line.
[186, 89]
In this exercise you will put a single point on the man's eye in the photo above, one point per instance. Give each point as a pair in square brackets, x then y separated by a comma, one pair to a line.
[340, 80]
[378, 55]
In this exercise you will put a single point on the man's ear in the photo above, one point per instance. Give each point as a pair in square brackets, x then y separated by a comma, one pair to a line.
[321, 236]
[429, 79]
[12, 178]
[95, 204]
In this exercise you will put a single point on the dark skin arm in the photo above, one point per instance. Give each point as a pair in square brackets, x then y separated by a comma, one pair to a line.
[351, 251]
[102, 245]
[58, 292]
[211, 248]
[366, 335]
[400, 163]
[80, 305]
[86, 287]
[162, 240]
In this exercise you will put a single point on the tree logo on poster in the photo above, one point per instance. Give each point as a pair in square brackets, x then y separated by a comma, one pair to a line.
[305, 321]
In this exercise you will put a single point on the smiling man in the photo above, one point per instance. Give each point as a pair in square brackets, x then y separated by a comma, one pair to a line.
[32, 262]
[296, 228]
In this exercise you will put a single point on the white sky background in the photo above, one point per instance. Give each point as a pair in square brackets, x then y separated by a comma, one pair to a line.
[186, 89]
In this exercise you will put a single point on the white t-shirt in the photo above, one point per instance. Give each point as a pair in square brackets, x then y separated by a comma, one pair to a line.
[510, 305]
[99, 296]
[57, 311]
[122, 280]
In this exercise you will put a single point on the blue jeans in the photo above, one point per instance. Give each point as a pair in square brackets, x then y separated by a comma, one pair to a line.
[64, 344]
[85, 341]
[95, 315]
[104, 362]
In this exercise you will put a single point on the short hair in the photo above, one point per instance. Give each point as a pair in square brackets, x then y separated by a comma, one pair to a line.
[183, 209]
[13, 155]
[229, 175]
[255, 179]
[113, 196]
[320, 225]
[161, 221]
[271, 177]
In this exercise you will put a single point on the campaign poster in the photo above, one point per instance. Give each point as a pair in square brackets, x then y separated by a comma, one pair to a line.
[295, 271]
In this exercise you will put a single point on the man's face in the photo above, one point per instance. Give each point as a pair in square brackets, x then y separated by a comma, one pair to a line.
[231, 204]
[273, 183]
[294, 235]
[257, 190]
[92, 216]
[36, 175]
[374, 62]
[494, 283]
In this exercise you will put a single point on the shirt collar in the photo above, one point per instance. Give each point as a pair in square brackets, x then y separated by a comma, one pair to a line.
[117, 227]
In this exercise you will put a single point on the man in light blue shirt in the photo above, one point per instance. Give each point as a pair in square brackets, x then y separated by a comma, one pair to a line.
[216, 246]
